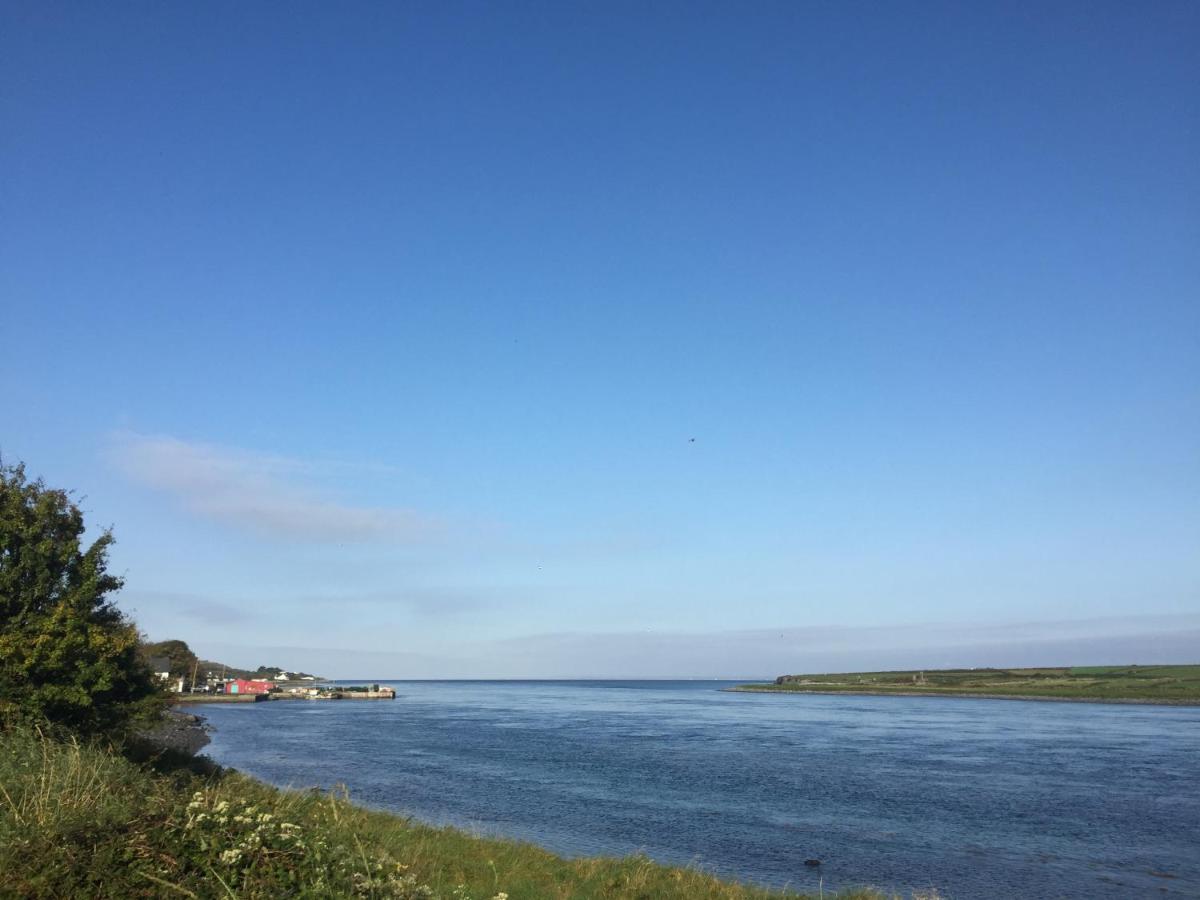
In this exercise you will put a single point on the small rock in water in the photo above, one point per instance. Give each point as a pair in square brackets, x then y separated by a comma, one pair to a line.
[812, 862]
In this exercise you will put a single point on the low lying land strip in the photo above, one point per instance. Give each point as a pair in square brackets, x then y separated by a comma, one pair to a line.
[78, 820]
[1176, 685]
[218, 698]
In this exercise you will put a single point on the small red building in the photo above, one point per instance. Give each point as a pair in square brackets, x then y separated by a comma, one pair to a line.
[241, 686]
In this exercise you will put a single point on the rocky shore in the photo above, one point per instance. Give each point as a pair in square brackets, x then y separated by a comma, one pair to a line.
[179, 731]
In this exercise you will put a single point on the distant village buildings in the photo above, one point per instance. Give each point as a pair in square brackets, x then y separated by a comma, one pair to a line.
[160, 668]
[271, 684]
[242, 686]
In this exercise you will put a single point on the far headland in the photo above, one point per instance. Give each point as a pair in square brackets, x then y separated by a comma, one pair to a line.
[1175, 685]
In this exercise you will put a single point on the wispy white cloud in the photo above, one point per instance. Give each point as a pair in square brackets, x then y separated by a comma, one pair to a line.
[421, 601]
[271, 495]
[179, 611]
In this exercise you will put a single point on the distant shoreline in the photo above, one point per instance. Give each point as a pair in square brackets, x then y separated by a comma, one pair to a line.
[960, 695]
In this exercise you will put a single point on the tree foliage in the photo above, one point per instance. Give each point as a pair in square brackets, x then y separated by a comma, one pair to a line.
[67, 654]
[180, 656]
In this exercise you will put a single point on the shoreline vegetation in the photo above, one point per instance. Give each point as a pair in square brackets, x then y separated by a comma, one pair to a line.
[1148, 685]
[81, 819]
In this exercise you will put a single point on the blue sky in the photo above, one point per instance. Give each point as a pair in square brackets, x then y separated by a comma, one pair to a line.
[588, 339]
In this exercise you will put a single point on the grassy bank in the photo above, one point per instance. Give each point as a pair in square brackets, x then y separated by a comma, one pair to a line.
[1141, 684]
[79, 821]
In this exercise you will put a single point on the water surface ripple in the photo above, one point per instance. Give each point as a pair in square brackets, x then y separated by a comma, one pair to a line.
[978, 798]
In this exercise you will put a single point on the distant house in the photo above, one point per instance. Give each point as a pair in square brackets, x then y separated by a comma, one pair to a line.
[242, 686]
[161, 667]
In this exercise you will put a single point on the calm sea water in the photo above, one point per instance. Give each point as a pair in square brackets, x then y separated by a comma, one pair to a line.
[978, 798]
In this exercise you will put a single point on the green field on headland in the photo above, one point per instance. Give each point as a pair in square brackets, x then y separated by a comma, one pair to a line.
[79, 820]
[1113, 684]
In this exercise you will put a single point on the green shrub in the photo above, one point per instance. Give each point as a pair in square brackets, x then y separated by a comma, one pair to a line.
[67, 654]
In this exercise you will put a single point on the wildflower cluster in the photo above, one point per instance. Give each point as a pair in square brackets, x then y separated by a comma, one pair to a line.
[239, 834]
[251, 843]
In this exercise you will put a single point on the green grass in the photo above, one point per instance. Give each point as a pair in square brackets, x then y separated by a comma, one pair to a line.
[79, 821]
[1156, 684]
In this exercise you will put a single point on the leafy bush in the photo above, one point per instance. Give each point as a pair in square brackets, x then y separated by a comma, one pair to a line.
[67, 654]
